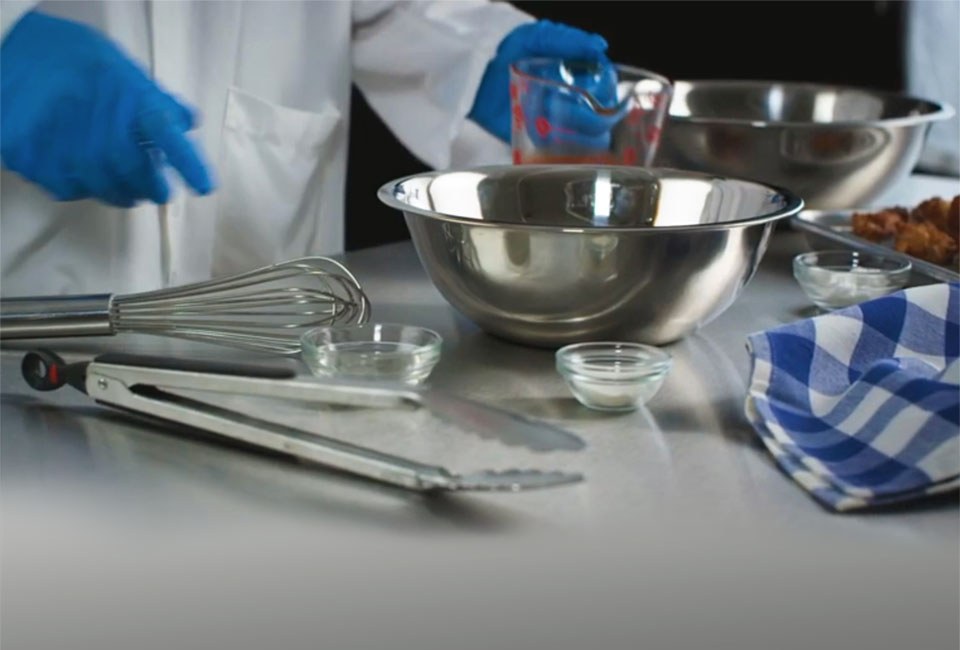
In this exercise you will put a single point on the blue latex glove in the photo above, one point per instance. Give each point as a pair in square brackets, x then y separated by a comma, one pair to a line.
[560, 118]
[82, 120]
[491, 108]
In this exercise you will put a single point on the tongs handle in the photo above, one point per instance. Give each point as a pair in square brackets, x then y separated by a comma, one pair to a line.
[205, 366]
[45, 370]
[124, 381]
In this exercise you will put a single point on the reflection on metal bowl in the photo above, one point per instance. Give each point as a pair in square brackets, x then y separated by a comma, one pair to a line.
[549, 255]
[835, 147]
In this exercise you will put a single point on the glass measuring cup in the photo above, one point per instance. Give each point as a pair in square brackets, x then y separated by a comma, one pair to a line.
[568, 112]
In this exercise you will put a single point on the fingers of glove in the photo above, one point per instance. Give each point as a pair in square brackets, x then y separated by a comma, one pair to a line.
[105, 186]
[564, 118]
[549, 39]
[187, 116]
[59, 77]
[141, 164]
[599, 81]
[105, 138]
[491, 108]
[179, 114]
[134, 165]
[142, 176]
[563, 114]
[58, 181]
[164, 122]
[55, 168]
[572, 112]
[157, 187]
[52, 177]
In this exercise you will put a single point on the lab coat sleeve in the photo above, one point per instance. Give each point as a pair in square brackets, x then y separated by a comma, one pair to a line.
[419, 65]
[11, 11]
[933, 73]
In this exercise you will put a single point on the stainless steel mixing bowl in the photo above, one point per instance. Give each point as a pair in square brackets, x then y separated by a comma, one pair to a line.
[554, 254]
[835, 147]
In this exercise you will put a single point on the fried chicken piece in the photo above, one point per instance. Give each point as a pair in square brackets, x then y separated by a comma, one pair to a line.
[878, 226]
[925, 241]
[934, 211]
[953, 218]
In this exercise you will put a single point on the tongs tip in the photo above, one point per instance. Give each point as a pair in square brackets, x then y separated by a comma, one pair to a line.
[513, 480]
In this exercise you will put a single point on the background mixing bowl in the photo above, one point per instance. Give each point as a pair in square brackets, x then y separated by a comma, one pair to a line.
[554, 254]
[835, 147]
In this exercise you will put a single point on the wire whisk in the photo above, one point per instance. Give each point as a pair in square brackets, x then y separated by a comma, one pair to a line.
[265, 310]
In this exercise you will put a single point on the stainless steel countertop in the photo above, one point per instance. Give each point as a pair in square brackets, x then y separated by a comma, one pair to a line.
[118, 533]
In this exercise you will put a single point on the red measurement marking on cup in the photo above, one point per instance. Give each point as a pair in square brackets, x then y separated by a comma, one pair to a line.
[630, 155]
[653, 133]
[543, 126]
[513, 91]
[518, 114]
[517, 157]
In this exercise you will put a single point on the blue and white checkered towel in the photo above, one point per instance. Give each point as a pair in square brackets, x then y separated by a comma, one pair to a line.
[861, 407]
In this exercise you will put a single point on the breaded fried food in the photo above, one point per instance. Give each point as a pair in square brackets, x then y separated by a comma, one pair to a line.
[933, 211]
[925, 241]
[879, 226]
[953, 218]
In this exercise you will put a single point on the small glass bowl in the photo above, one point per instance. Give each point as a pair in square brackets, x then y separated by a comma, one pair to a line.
[609, 376]
[372, 351]
[838, 279]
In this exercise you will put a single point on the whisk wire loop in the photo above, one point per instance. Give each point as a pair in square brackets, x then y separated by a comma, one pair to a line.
[265, 309]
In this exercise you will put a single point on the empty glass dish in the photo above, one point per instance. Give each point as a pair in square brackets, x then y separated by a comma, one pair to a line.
[838, 279]
[372, 351]
[610, 376]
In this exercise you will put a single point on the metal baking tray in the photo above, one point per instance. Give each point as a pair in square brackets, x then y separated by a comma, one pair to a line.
[829, 228]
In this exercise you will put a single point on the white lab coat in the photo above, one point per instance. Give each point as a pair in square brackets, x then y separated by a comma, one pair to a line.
[271, 81]
[933, 71]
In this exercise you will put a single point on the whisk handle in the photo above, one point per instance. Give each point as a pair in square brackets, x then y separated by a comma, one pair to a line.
[55, 316]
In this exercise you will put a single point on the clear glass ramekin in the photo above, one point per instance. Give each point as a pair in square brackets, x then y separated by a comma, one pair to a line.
[372, 351]
[613, 376]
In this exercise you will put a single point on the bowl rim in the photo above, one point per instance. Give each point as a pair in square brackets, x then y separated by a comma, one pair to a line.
[898, 265]
[939, 110]
[433, 346]
[658, 360]
[794, 204]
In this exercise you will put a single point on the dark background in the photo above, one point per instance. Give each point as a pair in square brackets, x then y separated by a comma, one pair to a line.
[855, 43]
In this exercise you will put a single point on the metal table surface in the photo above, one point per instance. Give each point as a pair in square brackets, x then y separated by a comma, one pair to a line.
[118, 533]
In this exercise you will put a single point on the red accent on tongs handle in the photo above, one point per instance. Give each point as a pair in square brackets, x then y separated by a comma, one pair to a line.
[45, 370]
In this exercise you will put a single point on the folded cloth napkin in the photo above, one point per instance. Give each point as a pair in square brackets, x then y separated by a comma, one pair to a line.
[861, 406]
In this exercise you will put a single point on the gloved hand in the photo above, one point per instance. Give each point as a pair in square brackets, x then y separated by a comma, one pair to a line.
[491, 108]
[559, 118]
[82, 120]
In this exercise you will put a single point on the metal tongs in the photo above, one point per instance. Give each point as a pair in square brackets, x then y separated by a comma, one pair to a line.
[143, 384]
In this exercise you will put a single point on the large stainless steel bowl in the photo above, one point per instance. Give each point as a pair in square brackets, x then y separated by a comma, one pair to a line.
[835, 147]
[548, 255]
